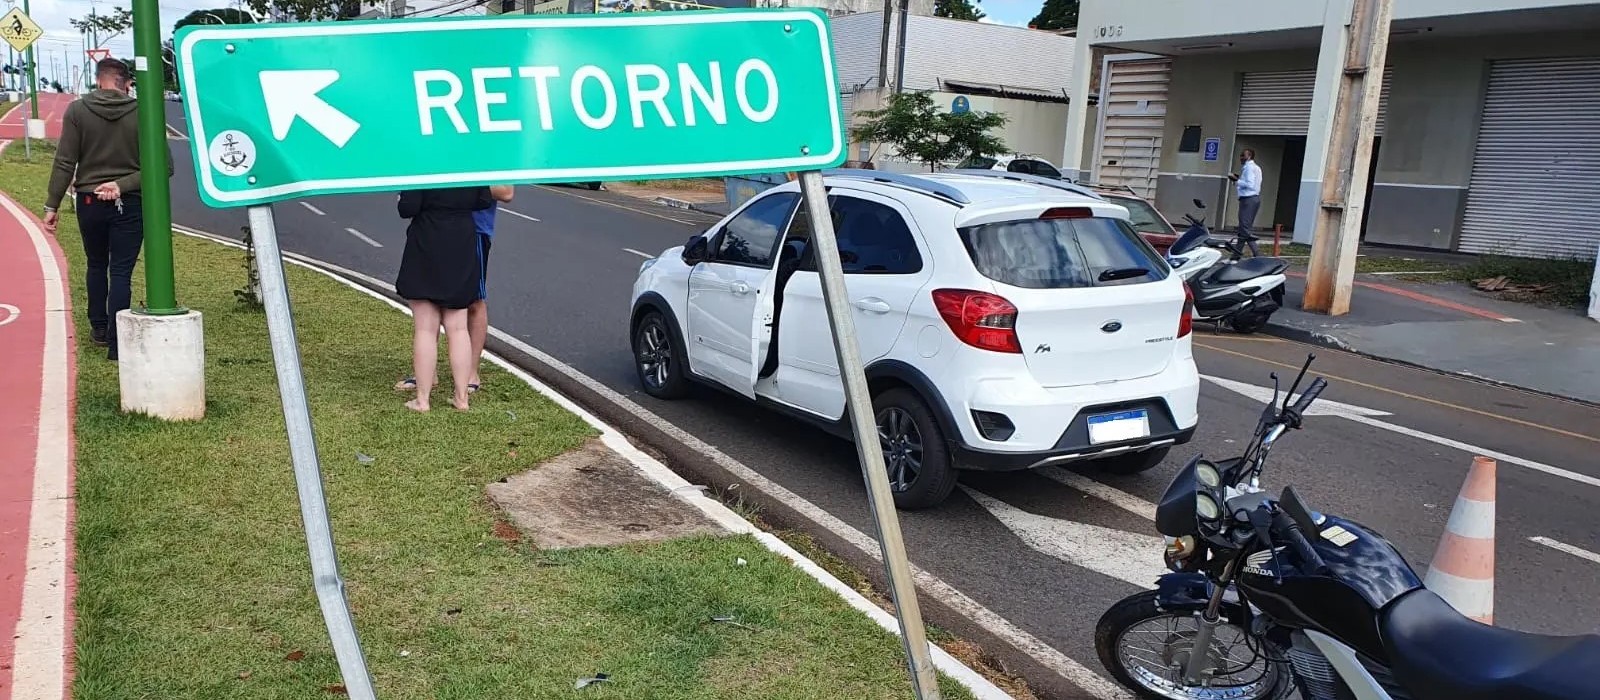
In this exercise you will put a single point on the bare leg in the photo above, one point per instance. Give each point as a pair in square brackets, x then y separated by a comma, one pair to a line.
[478, 328]
[424, 351]
[460, 344]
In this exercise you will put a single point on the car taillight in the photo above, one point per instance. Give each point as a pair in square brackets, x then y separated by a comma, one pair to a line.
[980, 319]
[1067, 213]
[1186, 321]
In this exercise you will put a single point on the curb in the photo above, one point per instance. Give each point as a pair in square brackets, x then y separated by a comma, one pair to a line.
[1325, 340]
[556, 386]
[686, 205]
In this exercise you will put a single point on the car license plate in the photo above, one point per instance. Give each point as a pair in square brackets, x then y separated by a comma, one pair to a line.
[1120, 426]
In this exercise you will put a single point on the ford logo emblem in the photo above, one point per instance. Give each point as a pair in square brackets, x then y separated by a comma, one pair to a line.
[1112, 326]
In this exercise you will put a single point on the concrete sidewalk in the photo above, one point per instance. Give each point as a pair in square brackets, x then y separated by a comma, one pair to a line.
[37, 389]
[1451, 328]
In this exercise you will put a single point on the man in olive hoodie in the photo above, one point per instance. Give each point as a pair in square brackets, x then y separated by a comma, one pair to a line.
[99, 156]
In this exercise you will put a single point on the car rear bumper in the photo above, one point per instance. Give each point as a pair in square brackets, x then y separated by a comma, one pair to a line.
[1039, 426]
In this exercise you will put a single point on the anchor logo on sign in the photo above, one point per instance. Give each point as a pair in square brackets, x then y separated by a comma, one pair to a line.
[232, 156]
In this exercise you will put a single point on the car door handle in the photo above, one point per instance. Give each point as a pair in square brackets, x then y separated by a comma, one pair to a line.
[740, 287]
[873, 305]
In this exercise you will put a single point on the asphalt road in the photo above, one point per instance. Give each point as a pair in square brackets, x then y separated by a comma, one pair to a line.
[1048, 551]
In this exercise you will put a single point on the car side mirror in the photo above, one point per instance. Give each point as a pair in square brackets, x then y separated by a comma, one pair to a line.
[1199, 204]
[694, 251]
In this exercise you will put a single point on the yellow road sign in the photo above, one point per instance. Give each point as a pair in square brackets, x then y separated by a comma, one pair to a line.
[18, 30]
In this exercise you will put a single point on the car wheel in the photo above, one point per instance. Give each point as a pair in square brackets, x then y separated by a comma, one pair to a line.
[921, 473]
[1133, 462]
[593, 186]
[658, 357]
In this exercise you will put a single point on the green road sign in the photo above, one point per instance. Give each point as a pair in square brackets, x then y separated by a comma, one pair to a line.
[278, 111]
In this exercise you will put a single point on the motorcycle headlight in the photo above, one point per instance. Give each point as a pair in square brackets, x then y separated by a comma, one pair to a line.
[1206, 507]
[1207, 475]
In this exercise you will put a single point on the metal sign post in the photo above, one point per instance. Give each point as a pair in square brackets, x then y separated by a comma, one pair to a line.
[303, 451]
[863, 423]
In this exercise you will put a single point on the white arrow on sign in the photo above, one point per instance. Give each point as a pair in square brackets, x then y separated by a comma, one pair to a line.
[293, 93]
[1122, 555]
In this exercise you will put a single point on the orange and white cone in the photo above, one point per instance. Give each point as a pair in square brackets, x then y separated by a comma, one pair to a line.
[1462, 570]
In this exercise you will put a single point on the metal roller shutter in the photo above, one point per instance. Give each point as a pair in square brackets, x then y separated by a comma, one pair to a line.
[1279, 103]
[1134, 100]
[1536, 168]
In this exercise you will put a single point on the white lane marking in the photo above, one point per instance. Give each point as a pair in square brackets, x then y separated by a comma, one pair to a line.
[981, 687]
[1560, 546]
[313, 209]
[1117, 497]
[12, 313]
[639, 253]
[1365, 417]
[368, 240]
[1323, 407]
[519, 215]
[1119, 554]
[38, 666]
[1475, 450]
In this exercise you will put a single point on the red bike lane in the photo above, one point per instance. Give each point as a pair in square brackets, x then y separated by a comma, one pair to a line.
[52, 106]
[37, 396]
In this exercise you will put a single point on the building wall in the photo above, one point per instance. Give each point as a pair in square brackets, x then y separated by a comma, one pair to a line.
[1425, 156]
[1136, 20]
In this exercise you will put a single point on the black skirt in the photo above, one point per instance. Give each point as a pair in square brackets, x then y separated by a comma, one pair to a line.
[440, 263]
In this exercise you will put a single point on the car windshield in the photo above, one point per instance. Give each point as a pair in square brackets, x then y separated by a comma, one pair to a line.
[1143, 216]
[1062, 253]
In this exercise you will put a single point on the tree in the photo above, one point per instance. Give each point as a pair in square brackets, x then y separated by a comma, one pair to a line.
[225, 15]
[958, 9]
[104, 27]
[1056, 15]
[307, 10]
[920, 132]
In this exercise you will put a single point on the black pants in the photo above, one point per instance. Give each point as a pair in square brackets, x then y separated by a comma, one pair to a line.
[111, 242]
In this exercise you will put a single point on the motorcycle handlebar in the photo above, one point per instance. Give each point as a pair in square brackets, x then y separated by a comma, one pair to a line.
[1310, 395]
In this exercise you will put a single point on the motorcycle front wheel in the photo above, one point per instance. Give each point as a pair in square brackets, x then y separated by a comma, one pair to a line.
[1146, 649]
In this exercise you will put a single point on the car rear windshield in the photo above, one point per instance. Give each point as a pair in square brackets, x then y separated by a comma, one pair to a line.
[1143, 216]
[978, 162]
[1062, 253]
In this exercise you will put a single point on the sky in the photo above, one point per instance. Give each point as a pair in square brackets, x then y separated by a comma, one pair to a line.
[1014, 12]
[62, 43]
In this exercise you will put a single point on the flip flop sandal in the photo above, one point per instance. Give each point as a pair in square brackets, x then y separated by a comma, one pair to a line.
[407, 384]
[472, 388]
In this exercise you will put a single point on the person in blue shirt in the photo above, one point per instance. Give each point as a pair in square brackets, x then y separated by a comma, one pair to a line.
[478, 313]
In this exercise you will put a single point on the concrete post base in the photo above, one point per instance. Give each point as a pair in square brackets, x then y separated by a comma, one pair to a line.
[162, 363]
[35, 128]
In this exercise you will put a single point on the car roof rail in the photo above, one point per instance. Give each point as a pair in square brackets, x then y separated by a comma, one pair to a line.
[1030, 179]
[1109, 186]
[910, 182]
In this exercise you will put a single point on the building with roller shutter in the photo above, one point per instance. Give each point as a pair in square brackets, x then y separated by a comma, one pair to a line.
[1488, 132]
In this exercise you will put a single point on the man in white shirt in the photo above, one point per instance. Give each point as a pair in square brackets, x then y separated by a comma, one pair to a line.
[1248, 184]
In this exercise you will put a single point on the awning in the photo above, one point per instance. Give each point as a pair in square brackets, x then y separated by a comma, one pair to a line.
[1007, 91]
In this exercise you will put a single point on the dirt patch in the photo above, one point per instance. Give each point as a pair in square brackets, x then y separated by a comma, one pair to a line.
[592, 497]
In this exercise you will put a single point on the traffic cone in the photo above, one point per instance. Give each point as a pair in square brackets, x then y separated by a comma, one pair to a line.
[1462, 570]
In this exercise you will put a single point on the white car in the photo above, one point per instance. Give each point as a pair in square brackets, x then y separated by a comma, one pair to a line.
[1007, 322]
[1014, 163]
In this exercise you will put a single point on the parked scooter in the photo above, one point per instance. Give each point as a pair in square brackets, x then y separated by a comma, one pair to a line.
[1268, 597]
[1227, 287]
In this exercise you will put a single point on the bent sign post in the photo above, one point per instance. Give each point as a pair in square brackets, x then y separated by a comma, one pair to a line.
[463, 102]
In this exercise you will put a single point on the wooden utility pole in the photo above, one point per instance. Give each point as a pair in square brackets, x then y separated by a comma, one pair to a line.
[1349, 155]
